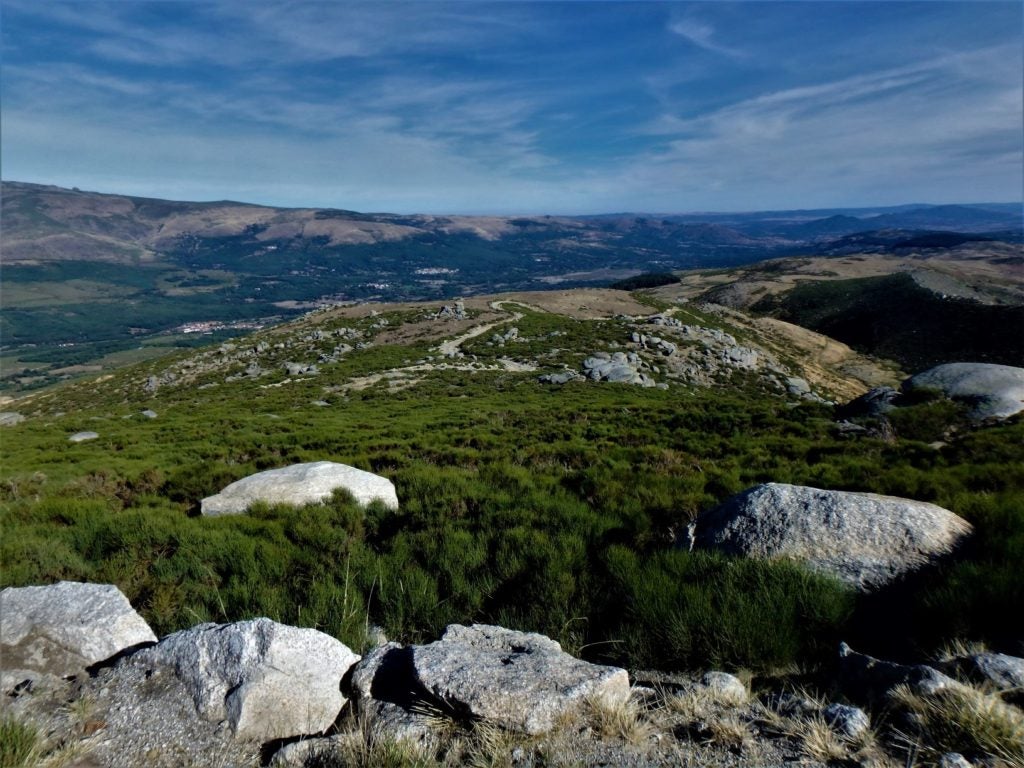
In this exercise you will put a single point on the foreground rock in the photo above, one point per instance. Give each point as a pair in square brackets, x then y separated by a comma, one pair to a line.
[996, 670]
[867, 679]
[863, 539]
[10, 418]
[991, 391]
[61, 629]
[518, 680]
[523, 681]
[301, 484]
[390, 698]
[267, 680]
[81, 437]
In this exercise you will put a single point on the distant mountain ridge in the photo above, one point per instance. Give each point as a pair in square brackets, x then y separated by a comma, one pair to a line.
[49, 223]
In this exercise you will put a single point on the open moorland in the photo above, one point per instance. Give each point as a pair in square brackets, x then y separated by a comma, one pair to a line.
[532, 494]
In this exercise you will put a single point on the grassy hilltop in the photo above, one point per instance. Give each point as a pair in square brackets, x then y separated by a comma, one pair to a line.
[539, 507]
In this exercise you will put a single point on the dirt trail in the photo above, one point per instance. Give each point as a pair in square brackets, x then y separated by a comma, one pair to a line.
[451, 347]
[402, 377]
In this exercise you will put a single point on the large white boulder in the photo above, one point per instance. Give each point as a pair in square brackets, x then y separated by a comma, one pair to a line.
[63, 628]
[267, 680]
[300, 484]
[519, 680]
[992, 391]
[863, 539]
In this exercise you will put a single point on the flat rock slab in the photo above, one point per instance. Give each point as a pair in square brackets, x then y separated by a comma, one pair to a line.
[992, 391]
[63, 628]
[521, 681]
[81, 437]
[267, 680]
[300, 484]
[863, 539]
[10, 418]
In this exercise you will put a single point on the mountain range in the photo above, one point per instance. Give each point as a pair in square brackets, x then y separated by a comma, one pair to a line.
[96, 280]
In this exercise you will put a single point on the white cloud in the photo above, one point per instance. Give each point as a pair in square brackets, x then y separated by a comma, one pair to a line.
[702, 35]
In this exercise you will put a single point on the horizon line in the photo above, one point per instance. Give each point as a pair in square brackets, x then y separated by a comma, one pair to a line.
[524, 215]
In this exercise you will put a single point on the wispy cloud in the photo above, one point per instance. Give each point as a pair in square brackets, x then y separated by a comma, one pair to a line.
[702, 34]
[870, 133]
[522, 106]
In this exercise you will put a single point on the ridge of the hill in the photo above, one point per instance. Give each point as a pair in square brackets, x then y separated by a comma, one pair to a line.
[396, 346]
[933, 302]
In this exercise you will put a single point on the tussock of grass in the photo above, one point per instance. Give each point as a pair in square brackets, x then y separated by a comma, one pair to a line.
[489, 746]
[967, 720]
[729, 731]
[20, 743]
[621, 719]
[819, 741]
[959, 648]
[700, 702]
[364, 747]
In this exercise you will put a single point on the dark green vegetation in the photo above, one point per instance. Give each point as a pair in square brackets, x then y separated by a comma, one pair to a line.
[544, 508]
[646, 280]
[940, 240]
[894, 317]
[18, 743]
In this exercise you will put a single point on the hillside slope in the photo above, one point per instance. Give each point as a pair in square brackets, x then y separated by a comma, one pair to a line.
[935, 305]
[543, 506]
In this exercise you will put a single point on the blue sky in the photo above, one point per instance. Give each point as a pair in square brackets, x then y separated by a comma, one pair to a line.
[518, 107]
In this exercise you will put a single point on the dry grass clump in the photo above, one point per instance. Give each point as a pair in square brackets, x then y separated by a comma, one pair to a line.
[968, 720]
[700, 702]
[489, 746]
[728, 731]
[819, 741]
[710, 714]
[23, 745]
[815, 737]
[621, 718]
[362, 746]
[958, 648]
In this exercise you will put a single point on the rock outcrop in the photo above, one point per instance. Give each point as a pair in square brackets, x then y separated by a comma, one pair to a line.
[872, 404]
[996, 670]
[863, 539]
[390, 698]
[10, 418]
[61, 629]
[300, 484]
[81, 437]
[619, 367]
[991, 391]
[521, 681]
[866, 679]
[267, 680]
[235, 694]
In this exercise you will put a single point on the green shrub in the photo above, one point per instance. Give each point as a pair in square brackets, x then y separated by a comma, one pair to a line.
[687, 609]
[19, 743]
